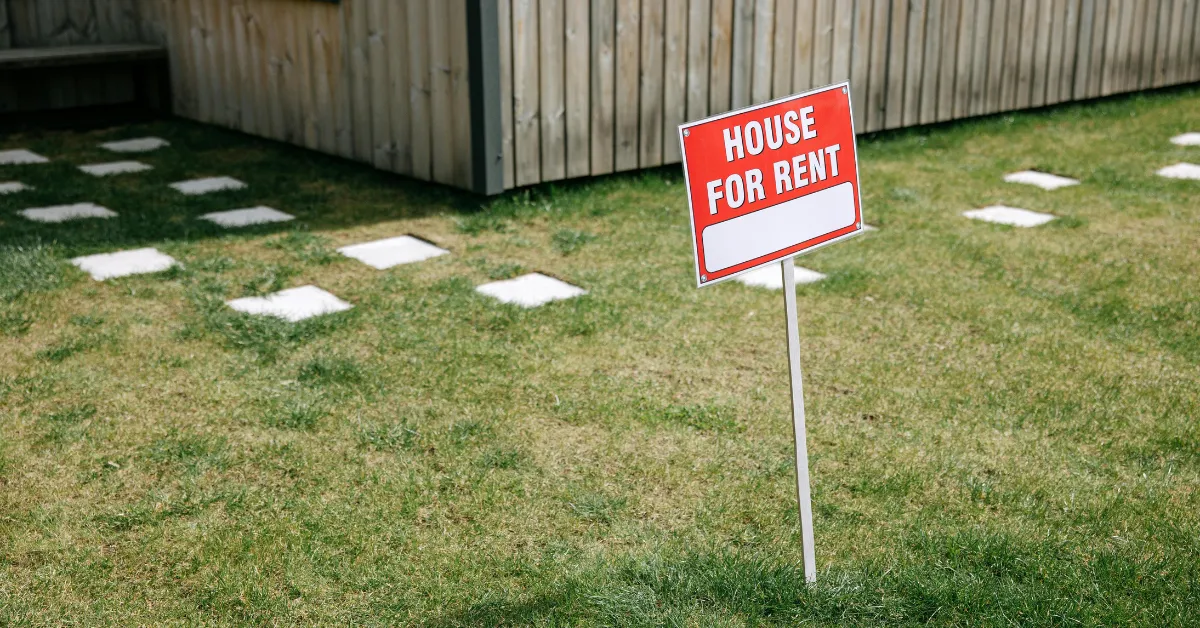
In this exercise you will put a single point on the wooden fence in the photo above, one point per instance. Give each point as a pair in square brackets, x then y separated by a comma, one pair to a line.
[571, 88]
[589, 88]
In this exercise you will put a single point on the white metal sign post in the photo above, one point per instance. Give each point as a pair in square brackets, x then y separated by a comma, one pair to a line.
[765, 184]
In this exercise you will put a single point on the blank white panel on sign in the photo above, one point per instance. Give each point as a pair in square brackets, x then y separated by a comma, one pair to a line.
[1011, 216]
[530, 290]
[123, 263]
[766, 231]
[1187, 139]
[136, 145]
[292, 305]
[20, 156]
[11, 187]
[382, 254]
[771, 277]
[1181, 171]
[246, 217]
[115, 167]
[205, 186]
[63, 213]
[1043, 180]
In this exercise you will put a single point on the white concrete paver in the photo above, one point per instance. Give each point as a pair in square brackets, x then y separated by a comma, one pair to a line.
[124, 263]
[771, 277]
[248, 216]
[1012, 216]
[115, 167]
[207, 185]
[1186, 139]
[63, 213]
[12, 187]
[1043, 180]
[1181, 171]
[136, 145]
[383, 254]
[292, 305]
[19, 156]
[530, 290]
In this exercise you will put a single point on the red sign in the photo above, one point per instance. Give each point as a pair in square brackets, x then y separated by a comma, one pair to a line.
[771, 181]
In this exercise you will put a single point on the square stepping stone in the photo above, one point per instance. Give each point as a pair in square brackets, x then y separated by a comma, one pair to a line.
[1011, 216]
[124, 263]
[20, 156]
[208, 185]
[12, 187]
[771, 277]
[1186, 139]
[115, 167]
[63, 213]
[292, 305]
[530, 290]
[136, 145]
[1042, 180]
[383, 254]
[245, 217]
[1181, 171]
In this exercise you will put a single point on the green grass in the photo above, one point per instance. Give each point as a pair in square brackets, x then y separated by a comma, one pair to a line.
[1002, 422]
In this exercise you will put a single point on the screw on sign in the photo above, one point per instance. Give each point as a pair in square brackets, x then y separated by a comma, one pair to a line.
[765, 184]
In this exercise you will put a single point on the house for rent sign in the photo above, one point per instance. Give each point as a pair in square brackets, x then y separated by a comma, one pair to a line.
[770, 182]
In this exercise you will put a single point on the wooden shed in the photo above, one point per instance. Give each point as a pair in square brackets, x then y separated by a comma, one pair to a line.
[489, 95]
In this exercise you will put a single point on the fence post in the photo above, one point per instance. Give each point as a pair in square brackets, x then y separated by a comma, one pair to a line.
[483, 54]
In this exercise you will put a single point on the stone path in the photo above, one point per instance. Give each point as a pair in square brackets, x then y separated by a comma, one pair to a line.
[12, 187]
[115, 167]
[384, 254]
[20, 156]
[530, 290]
[292, 305]
[1011, 216]
[63, 213]
[245, 217]
[136, 145]
[124, 263]
[207, 185]
[1181, 171]
[1042, 180]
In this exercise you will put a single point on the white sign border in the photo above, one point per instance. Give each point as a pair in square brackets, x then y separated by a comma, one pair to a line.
[687, 183]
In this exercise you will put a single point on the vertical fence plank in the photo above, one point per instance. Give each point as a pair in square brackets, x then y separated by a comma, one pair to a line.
[455, 32]
[552, 99]
[1149, 44]
[1096, 66]
[763, 51]
[1011, 60]
[1041, 52]
[802, 58]
[604, 32]
[1183, 59]
[1083, 48]
[5, 26]
[932, 58]
[237, 16]
[360, 66]
[1025, 58]
[743, 53]
[860, 62]
[504, 9]
[626, 124]
[981, 53]
[784, 48]
[526, 132]
[1170, 76]
[674, 91]
[914, 62]
[966, 38]
[894, 107]
[401, 116]
[823, 43]
[1054, 56]
[651, 96]
[721, 73]
[951, 16]
[699, 12]
[842, 42]
[877, 79]
[420, 96]
[378, 40]
[441, 99]
[578, 91]
[1136, 29]
[995, 59]
[1070, 56]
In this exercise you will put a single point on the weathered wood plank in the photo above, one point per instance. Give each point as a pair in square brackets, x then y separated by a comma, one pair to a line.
[1041, 52]
[1070, 50]
[860, 62]
[552, 104]
[420, 90]
[674, 77]
[379, 39]
[914, 62]
[604, 32]
[980, 54]
[894, 107]
[743, 53]
[398, 85]
[842, 43]
[761, 73]
[1174, 38]
[963, 60]
[1026, 57]
[995, 63]
[784, 48]
[720, 92]
[932, 60]
[823, 24]
[651, 97]
[698, 60]
[1010, 65]
[460, 92]
[1096, 67]
[802, 58]
[504, 9]
[526, 103]
[578, 90]
[626, 118]
[951, 25]
[877, 81]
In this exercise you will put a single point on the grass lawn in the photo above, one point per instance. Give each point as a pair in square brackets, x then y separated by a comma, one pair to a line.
[1003, 422]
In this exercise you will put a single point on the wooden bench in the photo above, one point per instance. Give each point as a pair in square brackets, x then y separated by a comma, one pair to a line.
[27, 72]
